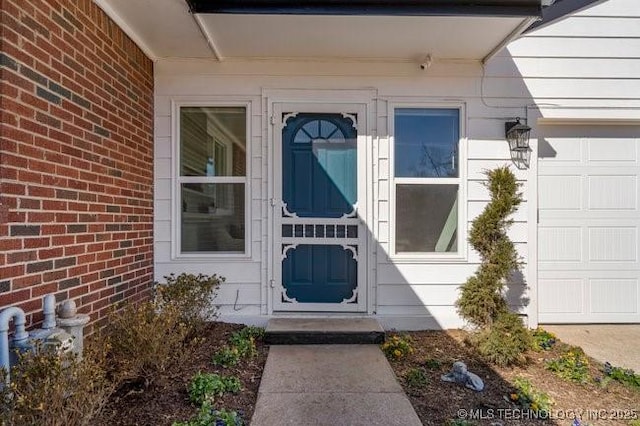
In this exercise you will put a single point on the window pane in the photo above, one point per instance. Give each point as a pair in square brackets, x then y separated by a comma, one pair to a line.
[426, 218]
[426, 142]
[213, 141]
[213, 217]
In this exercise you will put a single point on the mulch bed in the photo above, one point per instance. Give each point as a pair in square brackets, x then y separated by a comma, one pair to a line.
[167, 401]
[439, 402]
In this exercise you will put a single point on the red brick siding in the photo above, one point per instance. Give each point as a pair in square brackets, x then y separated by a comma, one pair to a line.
[76, 164]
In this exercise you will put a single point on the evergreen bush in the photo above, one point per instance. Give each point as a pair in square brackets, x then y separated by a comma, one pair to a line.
[502, 337]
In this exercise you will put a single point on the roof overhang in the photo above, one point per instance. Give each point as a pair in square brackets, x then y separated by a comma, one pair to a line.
[377, 30]
[561, 9]
[371, 7]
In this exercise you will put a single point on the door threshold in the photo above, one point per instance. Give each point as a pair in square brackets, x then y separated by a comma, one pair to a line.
[316, 331]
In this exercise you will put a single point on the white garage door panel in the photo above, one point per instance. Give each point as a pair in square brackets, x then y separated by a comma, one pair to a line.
[601, 214]
[588, 239]
[560, 296]
[612, 296]
[613, 244]
[560, 244]
[612, 192]
[612, 149]
[588, 300]
[565, 195]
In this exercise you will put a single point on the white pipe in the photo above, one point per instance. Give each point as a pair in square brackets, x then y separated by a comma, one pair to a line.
[20, 335]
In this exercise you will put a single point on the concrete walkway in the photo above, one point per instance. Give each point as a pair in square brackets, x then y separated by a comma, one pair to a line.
[331, 385]
[617, 343]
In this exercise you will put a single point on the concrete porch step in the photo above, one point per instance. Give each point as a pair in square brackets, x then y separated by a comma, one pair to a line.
[323, 331]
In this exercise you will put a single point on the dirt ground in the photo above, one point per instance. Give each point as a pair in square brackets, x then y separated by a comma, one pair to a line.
[436, 404]
[165, 403]
[440, 402]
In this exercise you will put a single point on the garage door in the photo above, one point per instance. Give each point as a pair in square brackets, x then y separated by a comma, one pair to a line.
[588, 243]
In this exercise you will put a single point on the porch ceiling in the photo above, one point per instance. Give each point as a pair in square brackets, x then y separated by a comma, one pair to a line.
[167, 29]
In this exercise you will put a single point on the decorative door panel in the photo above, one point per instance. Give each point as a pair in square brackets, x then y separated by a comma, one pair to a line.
[319, 235]
[315, 273]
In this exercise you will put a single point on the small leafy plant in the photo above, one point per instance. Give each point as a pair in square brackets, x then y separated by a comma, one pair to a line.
[529, 398]
[227, 356]
[627, 377]
[459, 422]
[242, 344]
[250, 331]
[432, 364]
[205, 387]
[227, 418]
[245, 344]
[208, 416]
[572, 365]
[416, 378]
[542, 339]
[397, 346]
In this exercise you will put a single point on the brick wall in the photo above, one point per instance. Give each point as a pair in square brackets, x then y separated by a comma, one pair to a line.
[76, 165]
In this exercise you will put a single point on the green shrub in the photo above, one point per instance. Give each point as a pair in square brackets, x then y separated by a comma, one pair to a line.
[542, 339]
[193, 295]
[397, 347]
[529, 398]
[55, 390]
[505, 342]
[207, 386]
[146, 344]
[572, 365]
[482, 300]
[416, 378]
[207, 416]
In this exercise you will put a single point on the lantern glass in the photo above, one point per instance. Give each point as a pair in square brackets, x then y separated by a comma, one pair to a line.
[518, 137]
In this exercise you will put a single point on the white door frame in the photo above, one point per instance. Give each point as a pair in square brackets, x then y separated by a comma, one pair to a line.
[363, 217]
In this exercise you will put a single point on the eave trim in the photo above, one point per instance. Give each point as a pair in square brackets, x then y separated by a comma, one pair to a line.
[560, 10]
[511, 8]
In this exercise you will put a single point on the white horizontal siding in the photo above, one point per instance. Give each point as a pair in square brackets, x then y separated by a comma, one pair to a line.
[434, 295]
[586, 66]
[587, 63]
[435, 283]
[243, 283]
[564, 68]
[566, 47]
[593, 26]
[613, 8]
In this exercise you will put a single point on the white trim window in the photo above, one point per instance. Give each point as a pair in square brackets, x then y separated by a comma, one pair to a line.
[212, 153]
[427, 220]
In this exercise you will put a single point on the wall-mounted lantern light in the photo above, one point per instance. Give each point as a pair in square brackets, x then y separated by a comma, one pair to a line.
[517, 135]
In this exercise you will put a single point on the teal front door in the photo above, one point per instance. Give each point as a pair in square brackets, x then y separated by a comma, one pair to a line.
[319, 231]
